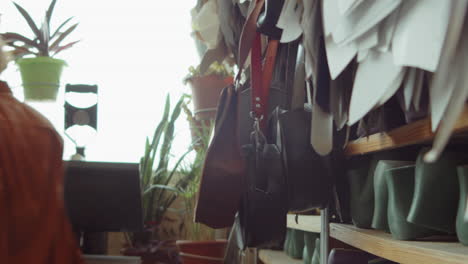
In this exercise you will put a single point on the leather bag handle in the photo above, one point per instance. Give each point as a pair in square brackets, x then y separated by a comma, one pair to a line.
[249, 31]
[261, 78]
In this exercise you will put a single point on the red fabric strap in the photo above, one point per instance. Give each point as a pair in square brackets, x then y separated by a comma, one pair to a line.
[261, 77]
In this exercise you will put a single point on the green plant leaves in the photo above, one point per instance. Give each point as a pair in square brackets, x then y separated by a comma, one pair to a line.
[30, 21]
[62, 36]
[64, 47]
[43, 35]
[11, 37]
[160, 186]
[57, 31]
[49, 12]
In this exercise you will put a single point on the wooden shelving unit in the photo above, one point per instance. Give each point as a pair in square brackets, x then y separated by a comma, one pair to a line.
[414, 133]
[310, 223]
[405, 252]
[377, 242]
[276, 257]
[382, 244]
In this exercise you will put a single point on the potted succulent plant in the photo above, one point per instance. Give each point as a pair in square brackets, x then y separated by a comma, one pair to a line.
[41, 72]
[161, 185]
[206, 88]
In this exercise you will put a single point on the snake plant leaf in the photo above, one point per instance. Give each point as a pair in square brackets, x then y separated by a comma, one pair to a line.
[148, 160]
[11, 37]
[169, 135]
[164, 152]
[162, 125]
[160, 186]
[144, 175]
[64, 47]
[30, 21]
[177, 109]
[62, 36]
[159, 132]
[57, 31]
[159, 174]
[49, 12]
[176, 166]
[165, 155]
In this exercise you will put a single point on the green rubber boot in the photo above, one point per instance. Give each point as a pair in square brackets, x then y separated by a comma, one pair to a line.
[316, 255]
[309, 246]
[379, 219]
[400, 182]
[436, 192]
[462, 221]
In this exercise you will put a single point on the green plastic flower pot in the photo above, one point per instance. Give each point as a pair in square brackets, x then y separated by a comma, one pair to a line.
[41, 77]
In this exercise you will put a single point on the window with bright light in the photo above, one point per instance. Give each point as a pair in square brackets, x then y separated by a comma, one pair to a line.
[135, 51]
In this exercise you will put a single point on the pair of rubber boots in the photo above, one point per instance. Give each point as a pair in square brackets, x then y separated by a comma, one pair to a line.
[412, 200]
[302, 245]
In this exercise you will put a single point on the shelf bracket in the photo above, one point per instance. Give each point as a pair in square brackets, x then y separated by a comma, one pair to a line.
[324, 235]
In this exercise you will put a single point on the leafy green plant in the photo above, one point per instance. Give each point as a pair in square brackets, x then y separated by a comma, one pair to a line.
[201, 136]
[221, 70]
[158, 195]
[161, 184]
[46, 42]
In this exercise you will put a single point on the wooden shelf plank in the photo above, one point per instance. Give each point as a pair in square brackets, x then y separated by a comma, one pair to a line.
[405, 252]
[310, 223]
[276, 257]
[414, 133]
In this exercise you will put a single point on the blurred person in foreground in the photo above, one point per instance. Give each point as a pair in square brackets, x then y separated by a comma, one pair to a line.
[34, 228]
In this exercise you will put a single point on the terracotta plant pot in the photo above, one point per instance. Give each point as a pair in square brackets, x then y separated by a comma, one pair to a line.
[205, 94]
[154, 252]
[202, 252]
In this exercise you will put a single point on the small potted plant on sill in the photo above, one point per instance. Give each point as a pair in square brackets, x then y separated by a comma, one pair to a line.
[161, 186]
[206, 88]
[40, 73]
